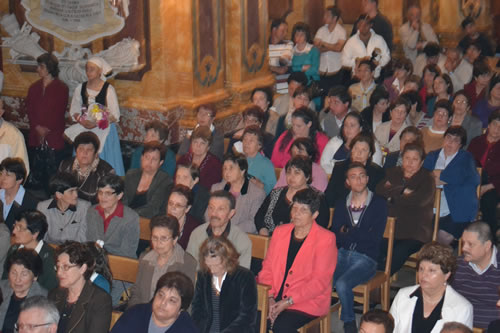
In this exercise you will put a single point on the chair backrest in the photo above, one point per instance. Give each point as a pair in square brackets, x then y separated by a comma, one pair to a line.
[478, 189]
[115, 315]
[389, 234]
[263, 305]
[226, 144]
[145, 231]
[259, 245]
[277, 171]
[437, 207]
[123, 268]
[332, 210]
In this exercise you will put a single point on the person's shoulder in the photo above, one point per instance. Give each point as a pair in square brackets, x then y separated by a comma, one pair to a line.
[129, 213]
[282, 230]
[97, 294]
[405, 292]
[255, 189]
[199, 230]
[236, 233]
[323, 29]
[8, 125]
[456, 300]
[82, 204]
[133, 173]
[218, 186]
[43, 206]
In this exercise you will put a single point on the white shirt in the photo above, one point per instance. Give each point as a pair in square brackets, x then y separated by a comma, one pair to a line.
[330, 61]
[355, 48]
[493, 261]
[460, 76]
[410, 37]
[215, 281]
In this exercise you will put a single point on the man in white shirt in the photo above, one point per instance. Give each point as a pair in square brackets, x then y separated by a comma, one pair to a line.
[366, 43]
[330, 40]
[459, 70]
[415, 34]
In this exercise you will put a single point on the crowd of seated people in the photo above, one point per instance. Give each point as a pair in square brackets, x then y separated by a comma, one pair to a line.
[318, 185]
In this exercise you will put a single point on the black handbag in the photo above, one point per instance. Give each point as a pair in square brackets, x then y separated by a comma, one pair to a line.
[43, 166]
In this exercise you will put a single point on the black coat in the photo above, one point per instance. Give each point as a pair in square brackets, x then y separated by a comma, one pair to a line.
[29, 202]
[238, 302]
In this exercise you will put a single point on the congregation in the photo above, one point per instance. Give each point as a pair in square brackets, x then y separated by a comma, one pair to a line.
[369, 162]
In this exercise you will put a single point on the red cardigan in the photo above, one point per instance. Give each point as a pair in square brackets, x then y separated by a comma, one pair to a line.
[478, 147]
[309, 280]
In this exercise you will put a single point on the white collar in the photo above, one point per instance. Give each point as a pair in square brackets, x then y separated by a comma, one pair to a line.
[306, 49]
[215, 282]
[38, 247]
[93, 276]
[493, 261]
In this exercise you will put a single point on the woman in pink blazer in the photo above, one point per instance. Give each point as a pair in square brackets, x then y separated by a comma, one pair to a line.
[299, 267]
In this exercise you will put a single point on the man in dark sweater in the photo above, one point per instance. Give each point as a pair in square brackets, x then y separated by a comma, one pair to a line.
[358, 224]
[478, 276]
[381, 24]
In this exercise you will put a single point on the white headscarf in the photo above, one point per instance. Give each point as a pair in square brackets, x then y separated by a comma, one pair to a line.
[103, 65]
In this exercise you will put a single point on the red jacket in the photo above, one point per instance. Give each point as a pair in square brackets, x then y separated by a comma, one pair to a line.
[478, 147]
[309, 280]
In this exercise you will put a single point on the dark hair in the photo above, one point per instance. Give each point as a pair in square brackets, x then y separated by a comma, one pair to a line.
[413, 98]
[307, 145]
[480, 68]
[414, 146]
[193, 169]
[379, 317]
[415, 131]
[483, 231]
[443, 104]
[453, 326]
[414, 79]
[266, 91]
[449, 85]
[366, 137]
[309, 197]
[256, 112]
[238, 159]
[495, 79]
[341, 93]
[51, 63]
[301, 27]
[462, 93]
[307, 116]
[254, 130]
[86, 138]
[438, 254]
[224, 195]
[303, 164]
[401, 100]
[458, 131]
[298, 77]
[378, 94]
[365, 17]
[184, 191]
[495, 115]
[61, 182]
[27, 258]
[334, 11]
[434, 69]
[355, 165]
[468, 20]
[403, 63]
[202, 132]
[356, 115]
[277, 22]
[79, 254]
[302, 91]
[101, 265]
[432, 49]
[208, 106]
[16, 166]
[369, 63]
[35, 222]
[181, 283]
[113, 181]
[155, 146]
[219, 247]
[165, 221]
[159, 127]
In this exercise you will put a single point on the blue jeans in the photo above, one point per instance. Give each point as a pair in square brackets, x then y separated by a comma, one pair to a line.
[353, 268]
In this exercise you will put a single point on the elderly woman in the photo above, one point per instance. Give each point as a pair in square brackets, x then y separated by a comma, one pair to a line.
[425, 308]
[305, 147]
[443, 89]
[83, 306]
[304, 125]
[225, 297]
[486, 106]
[259, 166]
[209, 165]
[409, 190]
[387, 134]
[305, 55]
[66, 213]
[205, 116]
[97, 91]
[338, 148]
[189, 176]
[167, 311]
[376, 113]
[454, 170]
[362, 150]
[248, 195]
[433, 136]
[86, 165]
[179, 204]
[166, 256]
[13, 195]
[408, 135]
[29, 231]
[275, 209]
[145, 188]
[462, 116]
[24, 267]
[155, 131]
[310, 253]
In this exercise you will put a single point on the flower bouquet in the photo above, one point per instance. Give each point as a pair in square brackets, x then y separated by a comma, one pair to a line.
[97, 113]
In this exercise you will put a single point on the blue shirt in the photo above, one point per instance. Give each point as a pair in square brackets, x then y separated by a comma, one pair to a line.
[18, 198]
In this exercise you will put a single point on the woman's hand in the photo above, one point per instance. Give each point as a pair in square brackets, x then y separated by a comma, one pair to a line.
[305, 68]
[486, 188]
[264, 232]
[277, 308]
[42, 132]
[88, 124]
[407, 191]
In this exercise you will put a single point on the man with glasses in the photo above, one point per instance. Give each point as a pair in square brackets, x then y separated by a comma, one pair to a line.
[38, 315]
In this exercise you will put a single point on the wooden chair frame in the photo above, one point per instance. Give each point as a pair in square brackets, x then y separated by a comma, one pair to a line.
[123, 268]
[145, 231]
[260, 244]
[330, 221]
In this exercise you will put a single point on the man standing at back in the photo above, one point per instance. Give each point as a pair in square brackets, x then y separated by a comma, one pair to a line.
[381, 24]
[478, 275]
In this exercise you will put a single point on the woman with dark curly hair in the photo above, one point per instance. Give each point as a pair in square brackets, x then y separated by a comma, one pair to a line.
[83, 306]
[225, 298]
[424, 308]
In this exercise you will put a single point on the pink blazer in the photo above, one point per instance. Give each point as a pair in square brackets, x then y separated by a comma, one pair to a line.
[309, 280]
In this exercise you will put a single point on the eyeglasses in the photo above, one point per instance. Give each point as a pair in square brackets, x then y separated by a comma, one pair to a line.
[28, 327]
[160, 239]
[105, 194]
[176, 206]
[63, 268]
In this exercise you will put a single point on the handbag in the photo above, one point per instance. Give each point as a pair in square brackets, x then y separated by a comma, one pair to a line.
[43, 166]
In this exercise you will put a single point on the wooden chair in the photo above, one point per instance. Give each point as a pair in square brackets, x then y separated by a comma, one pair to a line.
[145, 231]
[115, 315]
[478, 330]
[263, 305]
[381, 278]
[331, 218]
[259, 245]
[123, 268]
[226, 144]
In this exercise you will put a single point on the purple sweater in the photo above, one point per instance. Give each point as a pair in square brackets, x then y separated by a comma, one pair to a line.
[480, 290]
